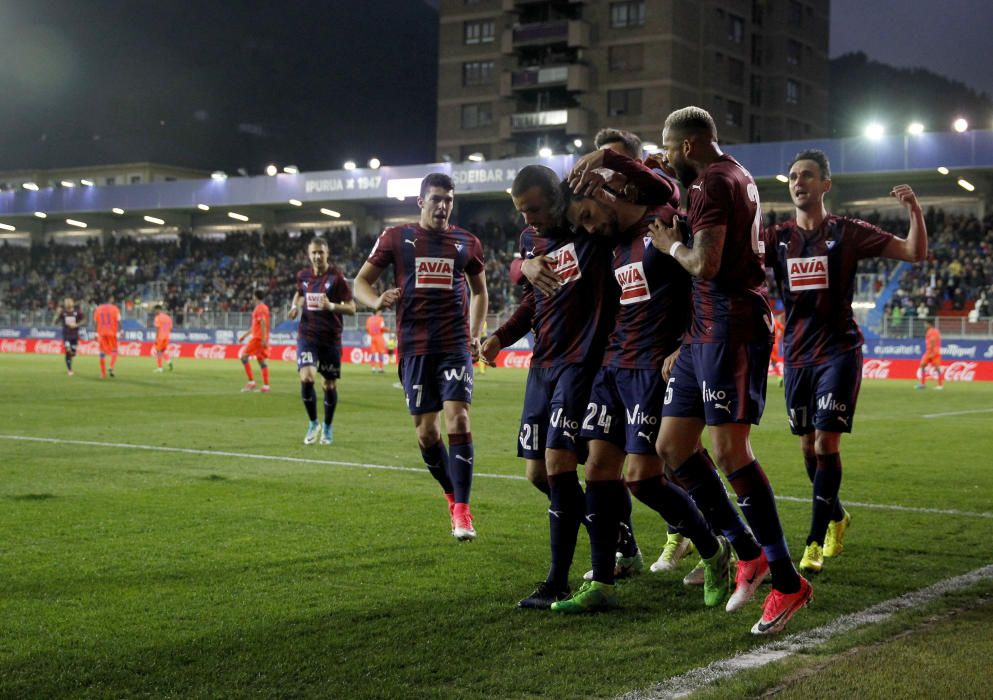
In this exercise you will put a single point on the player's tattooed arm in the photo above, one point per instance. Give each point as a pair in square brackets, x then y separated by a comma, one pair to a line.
[703, 260]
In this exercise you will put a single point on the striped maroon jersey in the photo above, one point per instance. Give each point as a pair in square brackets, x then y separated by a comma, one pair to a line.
[319, 325]
[654, 299]
[815, 271]
[734, 305]
[430, 268]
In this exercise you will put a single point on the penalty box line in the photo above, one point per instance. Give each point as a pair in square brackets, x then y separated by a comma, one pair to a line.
[418, 470]
[698, 678]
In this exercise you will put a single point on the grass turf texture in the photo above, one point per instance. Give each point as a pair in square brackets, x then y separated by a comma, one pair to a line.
[129, 572]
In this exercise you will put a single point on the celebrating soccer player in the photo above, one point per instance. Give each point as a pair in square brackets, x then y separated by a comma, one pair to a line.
[435, 265]
[570, 320]
[719, 378]
[70, 318]
[107, 318]
[163, 327]
[815, 257]
[258, 346]
[322, 296]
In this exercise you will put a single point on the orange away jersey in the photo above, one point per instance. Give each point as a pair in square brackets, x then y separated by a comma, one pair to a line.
[374, 325]
[932, 341]
[163, 327]
[107, 317]
[260, 323]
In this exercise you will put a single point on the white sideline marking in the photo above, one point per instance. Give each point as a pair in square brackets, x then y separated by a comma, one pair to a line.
[698, 678]
[420, 470]
[957, 413]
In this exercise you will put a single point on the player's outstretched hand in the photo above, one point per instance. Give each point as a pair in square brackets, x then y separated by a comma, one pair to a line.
[668, 363]
[541, 274]
[906, 197]
[489, 350]
[664, 236]
[475, 350]
[388, 298]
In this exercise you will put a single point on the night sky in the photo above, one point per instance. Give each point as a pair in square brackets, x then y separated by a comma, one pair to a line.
[236, 84]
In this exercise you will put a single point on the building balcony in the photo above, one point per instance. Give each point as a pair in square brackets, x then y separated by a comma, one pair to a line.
[512, 5]
[573, 120]
[574, 77]
[574, 33]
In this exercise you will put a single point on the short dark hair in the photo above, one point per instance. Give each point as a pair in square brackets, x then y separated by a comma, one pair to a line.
[437, 180]
[542, 177]
[259, 294]
[691, 120]
[157, 307]
[319, 242]
[819, 157]
[631, 142]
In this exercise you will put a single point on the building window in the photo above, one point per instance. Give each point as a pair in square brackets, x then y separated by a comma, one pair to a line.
[736, 71]
[736, 29]
[756, 91]
[475, 116]
[755, 130]
[477, 73]
[628, 58]
[627, 14]
[735, 113]
[796, 14]
[756, 50]
[758, 12]
[135, 179]
[792, 92]
[110, 181]
[480, 32]
[621, 102]
[794, 51]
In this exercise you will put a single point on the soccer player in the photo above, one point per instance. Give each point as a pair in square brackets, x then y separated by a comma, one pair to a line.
[932, 355]
[570, 320]
[163, 327]
[435, 266]
[626, 400]
[376, 329]
[258, 346]
[719, 378]
[322, 296]
[107, 318]
[70, 318]
[815, 258]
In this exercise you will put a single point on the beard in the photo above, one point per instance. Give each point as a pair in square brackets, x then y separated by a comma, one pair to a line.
[684, 172]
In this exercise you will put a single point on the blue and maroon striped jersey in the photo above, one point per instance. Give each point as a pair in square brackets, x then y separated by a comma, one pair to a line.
[430, 268]
[815, 271]
[571, 326]
[734, 305]
[654, 299]
[317, 325]
[75, 316]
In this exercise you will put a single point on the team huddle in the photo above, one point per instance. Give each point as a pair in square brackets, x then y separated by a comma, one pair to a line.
[651, 324]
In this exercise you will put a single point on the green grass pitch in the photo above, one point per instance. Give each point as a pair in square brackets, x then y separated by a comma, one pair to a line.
[141, 572]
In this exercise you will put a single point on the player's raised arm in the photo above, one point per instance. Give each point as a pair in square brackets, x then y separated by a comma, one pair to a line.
[364, 291]
[913, 248]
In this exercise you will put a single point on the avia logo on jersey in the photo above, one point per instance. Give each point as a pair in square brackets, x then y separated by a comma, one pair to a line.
[827, 403]
[566, 264]
[314, 301]
[434, 273]
[808, 273]
[638, 417]
[634, 286]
